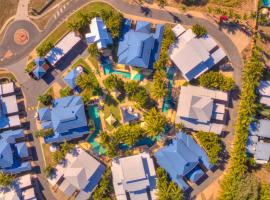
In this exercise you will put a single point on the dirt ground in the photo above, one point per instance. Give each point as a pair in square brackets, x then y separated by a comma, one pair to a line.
[38, 4]
[264, 42]
[263, 174]
[8, 8]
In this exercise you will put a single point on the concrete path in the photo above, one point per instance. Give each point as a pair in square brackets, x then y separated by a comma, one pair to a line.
[22, 10]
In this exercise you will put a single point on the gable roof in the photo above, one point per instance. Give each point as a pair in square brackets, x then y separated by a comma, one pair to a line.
[44, 114]
[260, 128]
[139, 47]
[99, 34]
[262, 151]
[71, 77]
[39, 71]
[203, 51]
[264, 91]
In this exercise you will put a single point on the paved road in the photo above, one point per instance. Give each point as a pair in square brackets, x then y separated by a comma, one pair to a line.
[32, 89]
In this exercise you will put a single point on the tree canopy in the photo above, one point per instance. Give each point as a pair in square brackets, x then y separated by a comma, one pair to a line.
[6, 179]
[155, 122]
[199, 30]
[113, 82]
[216, 80]
[46, 99]
[93, 50]
[44, 48]
[159, 86]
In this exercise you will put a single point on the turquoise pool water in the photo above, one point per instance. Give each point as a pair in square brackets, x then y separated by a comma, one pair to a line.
[167, 99]
[266, 3]
[94, 115]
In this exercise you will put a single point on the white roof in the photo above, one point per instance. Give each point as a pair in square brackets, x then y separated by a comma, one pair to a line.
[24, 181]
[62, 47]
[264, 91]
[14, 120]
[9, 195]
[29, 194]
[7, 88]
[178, 30]
[10, 104]
[129, 172]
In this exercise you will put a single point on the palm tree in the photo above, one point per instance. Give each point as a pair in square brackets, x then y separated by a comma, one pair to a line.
[6, 179]
[57, 157]
[158, 90]
[93, 50]
[85, 82]
[48, 171]
[155, 122]
[66, 147]
[74, 26]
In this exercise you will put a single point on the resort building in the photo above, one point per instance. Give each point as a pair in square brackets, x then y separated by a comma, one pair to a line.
[71, 77]
[66, 118]
[260, 128]
[202, 109]
[134, 177]
[41, 67]
[192, 55]
[13, 152]
[139, 46]
[22, 189]
[9, 111]
[128, 115]
[182, 160]
[99, 34]
[264, 92]
[78, 176]
[62, 48]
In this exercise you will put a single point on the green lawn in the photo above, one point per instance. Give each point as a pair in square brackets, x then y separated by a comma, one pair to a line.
[63, 28]
[94, 62]
[111, 106]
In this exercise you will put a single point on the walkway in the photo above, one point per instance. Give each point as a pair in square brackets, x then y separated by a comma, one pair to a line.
[22, 10]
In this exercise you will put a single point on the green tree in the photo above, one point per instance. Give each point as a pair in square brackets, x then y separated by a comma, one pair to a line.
[6, 179]
[86, 82]
[43, 133]
[155, 122]
[216, 80]
[179, 127]
[48, 171]
[44, 48]
[67, 91]
[211, 144]
[57, 157]
[159, 86]
[264, 191]
[93, 50]
[74, 26]
[166, 189]
[199, 30]
[46, 99]
[113, 82]
[162, 3]
[66, 147]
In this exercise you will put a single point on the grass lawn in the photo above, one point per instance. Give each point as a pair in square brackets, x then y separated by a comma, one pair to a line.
[47, 154]
[228, 3]
[94, 62]
[111, 106]
[8, 8]
[38, 4]
[63, 28]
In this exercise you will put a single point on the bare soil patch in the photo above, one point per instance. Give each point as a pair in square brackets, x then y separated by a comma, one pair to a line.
[8, 8]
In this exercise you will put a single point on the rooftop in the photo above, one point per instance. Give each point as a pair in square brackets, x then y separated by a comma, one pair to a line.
[264, 91]
[71, 78]
[99, 34]
[203, 51]
[260, 128]
[181, 159]
[139, 47]
[67, 119]
[133, 175]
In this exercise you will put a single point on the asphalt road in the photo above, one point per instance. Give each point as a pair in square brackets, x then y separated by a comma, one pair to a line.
[32, 89]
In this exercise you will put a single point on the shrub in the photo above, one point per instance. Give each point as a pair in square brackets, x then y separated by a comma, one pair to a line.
[6, 179]
[93, 50]
[46, 99]
[43, 133]
[67, 91]
[30, 67]
[211, 144]
[48, 171]
[264, 191]
[216, 80]
[199, 30]
[44, 48]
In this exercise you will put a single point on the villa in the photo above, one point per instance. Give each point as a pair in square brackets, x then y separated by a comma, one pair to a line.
[134, 177]
[202, 109]
[194, 56]
[62, 48]
[264, 92]
[182, 160]
[66, 118]
[139, 47]
[14, 152]
[22, 189]
[9, 115]
[72, 76]
[41, 67]
[260, 128]
[99, 34]
[78, 176]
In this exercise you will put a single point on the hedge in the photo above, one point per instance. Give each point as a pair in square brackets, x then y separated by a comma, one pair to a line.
[252, 74]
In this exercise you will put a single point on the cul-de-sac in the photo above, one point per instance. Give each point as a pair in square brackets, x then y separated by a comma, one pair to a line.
[135, 99]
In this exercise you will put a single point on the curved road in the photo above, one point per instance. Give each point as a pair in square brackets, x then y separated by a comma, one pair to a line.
[32, 89]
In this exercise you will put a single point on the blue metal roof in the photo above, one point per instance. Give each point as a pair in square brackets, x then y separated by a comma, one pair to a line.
[68, 120]
[260, 128]
[181, 157]
[139, 47]
[44, 114]
[12, 153]
[195, 174]
[70, 79]
[39, 71]
[40, 61]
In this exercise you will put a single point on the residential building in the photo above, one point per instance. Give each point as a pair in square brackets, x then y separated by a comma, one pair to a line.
[260, 128]
[202, 109]
[62, 48]
[182, 159]
[66, 118]
[264, 92]
[192, 55]
[258, 148]
[22, 189]
[99, 34]
[71, 78]
[78, 176]
[128, 115]
[9, 111]
[134, 177]
[41, 67]
[13, 152]
[139, 47]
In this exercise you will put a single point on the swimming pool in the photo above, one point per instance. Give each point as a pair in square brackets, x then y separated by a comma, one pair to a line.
[93, 113]
[167, 99]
